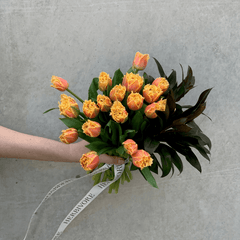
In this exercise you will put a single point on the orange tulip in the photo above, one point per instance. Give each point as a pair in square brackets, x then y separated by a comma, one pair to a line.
[117, 93]
[142, 159]
[104, 103]
[118, 112]
[90, 109]
[104, 81]
[132, 82]
[151, 93]
[135, 101]
[140, 61]
[130, 146]
[69, 135]
[59, 83]
[162, 83]
[162, 105]
[89, 161]
[65, 106]
[91, 128]
[150, 110]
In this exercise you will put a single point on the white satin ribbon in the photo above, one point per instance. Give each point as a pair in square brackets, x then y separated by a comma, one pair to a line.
[89, 197]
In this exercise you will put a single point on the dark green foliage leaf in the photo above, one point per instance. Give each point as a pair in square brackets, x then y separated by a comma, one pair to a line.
[137, 121]
[72, 123]
[127, 134]
[97, 146]
[160, 69]
[120, 150]
[148, 79]
[156, 160]
[92, 91]
[133, 167]
[200, 101]
[188, 153]
[117, 78]
[87, 138]
[185, 86]
[165, 159]
[150, 145]
[50, 110]
[172, 79]
[154, 166]
[104, 150]
[149, 177]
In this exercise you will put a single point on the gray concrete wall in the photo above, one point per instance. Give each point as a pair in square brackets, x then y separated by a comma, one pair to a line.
[77, 40]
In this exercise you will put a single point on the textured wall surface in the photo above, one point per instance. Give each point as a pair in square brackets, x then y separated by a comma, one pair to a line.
[77, 40]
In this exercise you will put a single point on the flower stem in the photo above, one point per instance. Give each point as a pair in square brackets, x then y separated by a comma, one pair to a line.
[75, 95]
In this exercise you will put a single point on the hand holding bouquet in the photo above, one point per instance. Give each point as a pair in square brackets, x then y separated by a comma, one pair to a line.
[137, 118]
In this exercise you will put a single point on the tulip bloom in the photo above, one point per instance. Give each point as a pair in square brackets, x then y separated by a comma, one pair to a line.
[162, 105]
[65, 106]
[91, 128]
[104, 81]
[104, 103]
[118, 112]
[130, 146]
[135, 101]
[151, 93]
[162, 83]
[140, 61]
[89, 161]
[69, 135]
[132, 82]
[142, 159]
[59, 83]
[150, 110]
[90, 109]
[117, 93]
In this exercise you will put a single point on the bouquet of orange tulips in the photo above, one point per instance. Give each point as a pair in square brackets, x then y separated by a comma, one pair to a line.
[137, 118]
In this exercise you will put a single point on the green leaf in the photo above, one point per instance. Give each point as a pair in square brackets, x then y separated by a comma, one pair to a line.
[172, 79]
[165, 159]
[97, 146]
[150, 145]
[127, 134]
[105, 150]
[148, 79]
[117, 78]
[50, 110]
[160, 69]
[149, 177]
[137, 121]
[72, 123]
[133, 167]
[87, 138]
[154, 166]
[92, 91]
[121, 150]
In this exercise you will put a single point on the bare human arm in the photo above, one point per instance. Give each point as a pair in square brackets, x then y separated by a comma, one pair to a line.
[14, 144]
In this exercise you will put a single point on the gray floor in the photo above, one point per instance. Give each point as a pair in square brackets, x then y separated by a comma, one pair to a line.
[77, 40]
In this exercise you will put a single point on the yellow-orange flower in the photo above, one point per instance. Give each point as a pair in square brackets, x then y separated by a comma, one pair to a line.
[117, 93]
[135, 101]
[59, 83]
[91, 128]
[118, 112]
[104, 81]
[104, 103]
[162, 105]
[151, 93]
[130, 146]
[69, 135]
[140, 61]
[150, 110]
[162, 83]
[132, 82]
[89, 161]
[65, 106]
[142, 159]
[90, 109]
